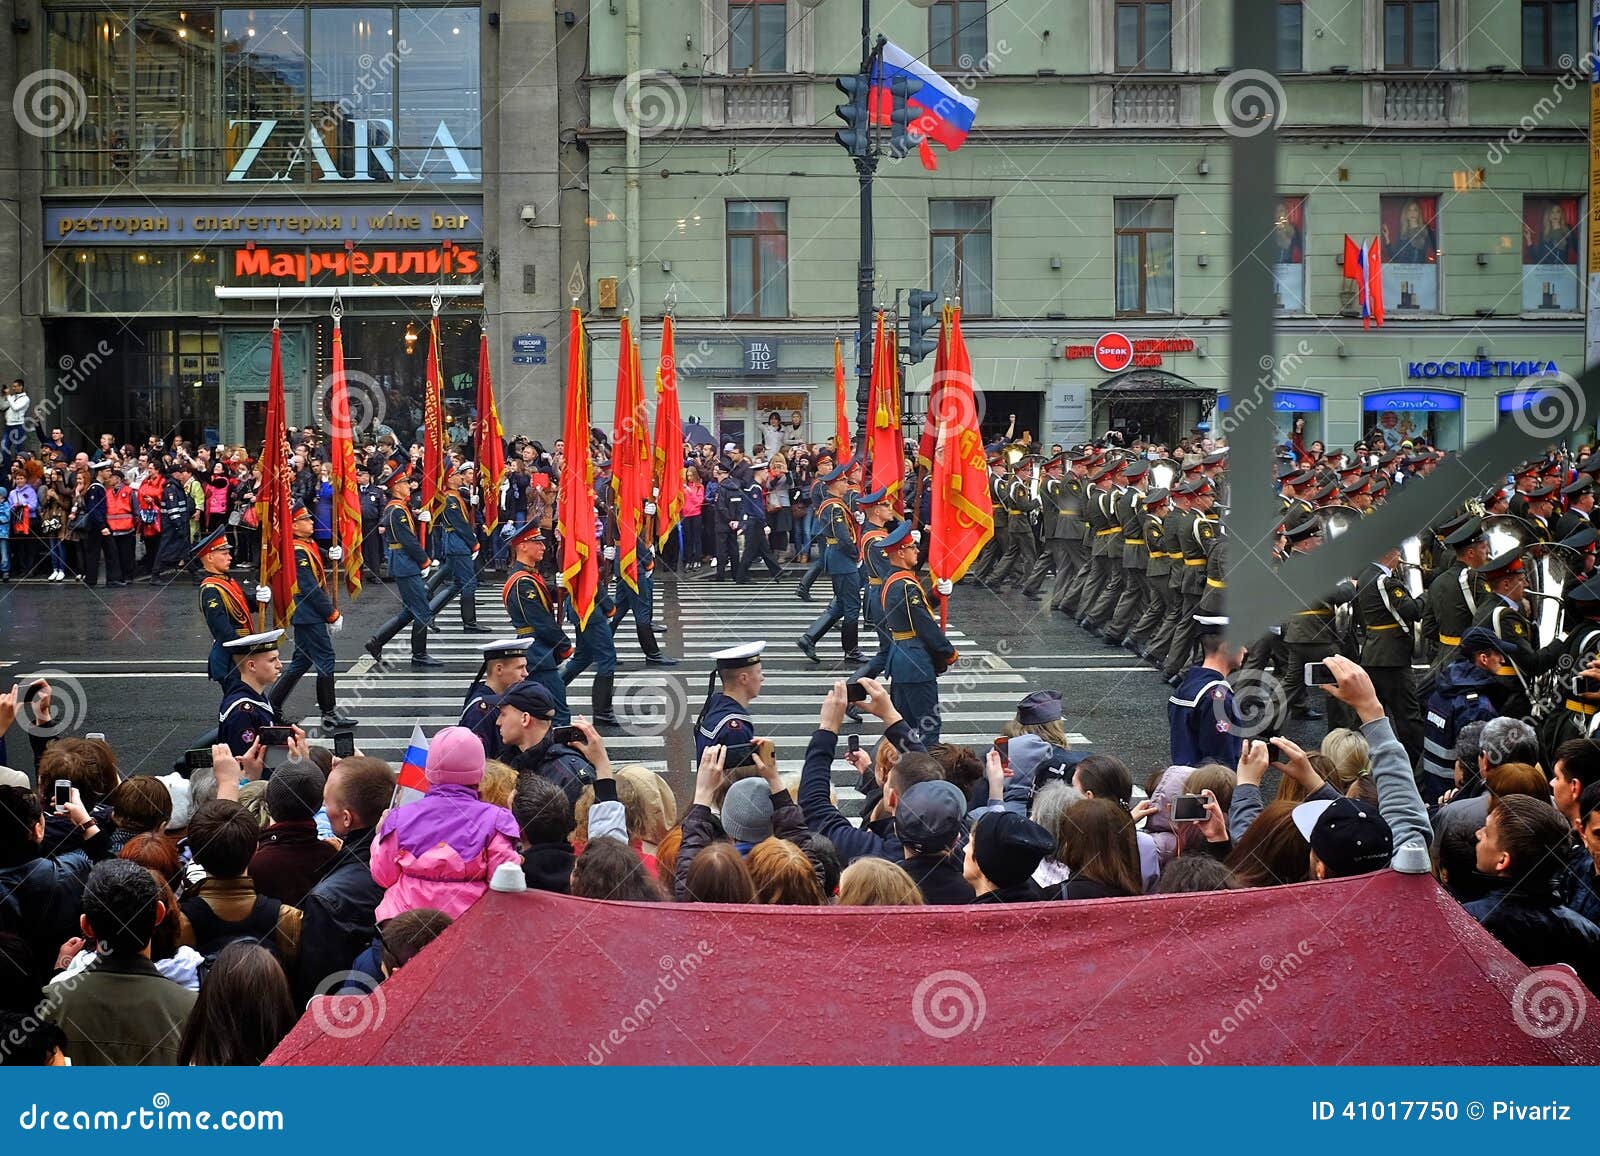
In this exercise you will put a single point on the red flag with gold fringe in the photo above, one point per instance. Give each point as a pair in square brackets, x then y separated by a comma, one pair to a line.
[489, 447]
[346, 488]
[627, 479]
[883, 417]
[433, 456]
[273, 505]
[962, 518]
[669, 438]
[841, 407]
[580, 571]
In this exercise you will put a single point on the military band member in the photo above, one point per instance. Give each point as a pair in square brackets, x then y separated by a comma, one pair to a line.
[315, 621]
[999, 542]
[725, 717]
[246, 707]
[920, 652]
[224, 605]
[1146, 633]
[1066, 596]
[841, 561]
[1105, 547]
[1387, 612]
[1540, 505]
[1021, 549]
[1504, 615]
[1135, 558]
[1201, 717]
[1453, 597]
[1525, 478]
[1310, 634]
[1052, 527]
[1195, 533]
[1571, 655]
[1580, 507]
[408, 565]
[531, 606]
[505, 663]
[458, 545]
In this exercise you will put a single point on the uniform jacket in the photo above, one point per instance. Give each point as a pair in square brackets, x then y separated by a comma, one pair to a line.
[1451, 600]
[921, 650]
[406, 556]
[840, 536]
[1386, 611]
[1202, 720]
[458, 533]
[311, 601]
[532, 609]
[562, 765]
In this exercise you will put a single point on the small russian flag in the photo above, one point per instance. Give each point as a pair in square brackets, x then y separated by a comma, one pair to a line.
[944, 114]
[413, 782]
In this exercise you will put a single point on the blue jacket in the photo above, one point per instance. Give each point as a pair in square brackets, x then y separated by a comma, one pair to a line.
[532, 612]
[458, 536]
[1534, 925]
[406, 556]
[1463, 693]
[836, 525]
[755, 505]
[1203, 721]
[311, 601]
[919, 651]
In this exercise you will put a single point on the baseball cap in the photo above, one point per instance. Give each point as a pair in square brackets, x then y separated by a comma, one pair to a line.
[1350, 837]
[530, 697]
[930, 816]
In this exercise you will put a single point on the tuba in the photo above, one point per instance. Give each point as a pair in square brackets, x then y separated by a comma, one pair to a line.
[1165, 472]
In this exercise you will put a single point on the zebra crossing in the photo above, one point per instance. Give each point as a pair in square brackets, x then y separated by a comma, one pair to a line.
[657, 706]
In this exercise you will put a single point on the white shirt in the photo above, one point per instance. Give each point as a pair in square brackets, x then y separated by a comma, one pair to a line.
[17, 408]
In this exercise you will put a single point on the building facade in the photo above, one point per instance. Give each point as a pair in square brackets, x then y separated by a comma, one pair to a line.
[385, 150]
[1085, 222]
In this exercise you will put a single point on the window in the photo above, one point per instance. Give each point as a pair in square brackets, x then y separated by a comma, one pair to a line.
[174, 91]
[757, 30]
[1287, 248]
[961, 253]
[1410, 250]
[758, 259]
[1291, 20]
[958, 35]
[95, 48]
[1549, 254]
[1549, 34]
[1144, 36]
[1144, 257]
[1411, 34]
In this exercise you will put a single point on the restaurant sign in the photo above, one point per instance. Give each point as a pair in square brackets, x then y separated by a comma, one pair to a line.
[317, 267]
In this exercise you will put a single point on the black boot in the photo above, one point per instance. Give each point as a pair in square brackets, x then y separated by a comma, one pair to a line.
[332, 717]
[419, 647]
[280, 692]
[469, 615]
[850, 639]
[807, 642]
[808, 580]
[652, 648]
[604, 684]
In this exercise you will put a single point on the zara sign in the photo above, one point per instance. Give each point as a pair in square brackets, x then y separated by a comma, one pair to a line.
[371, 151]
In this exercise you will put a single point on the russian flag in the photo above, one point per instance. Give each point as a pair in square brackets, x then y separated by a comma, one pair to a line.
[944, 114]
[413, 782]
[1364, 266]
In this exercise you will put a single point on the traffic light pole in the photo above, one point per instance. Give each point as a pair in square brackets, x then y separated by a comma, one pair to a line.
[865, 167]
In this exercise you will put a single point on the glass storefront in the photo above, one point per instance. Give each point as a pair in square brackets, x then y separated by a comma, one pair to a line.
[1403, 414]
[196, 96]
[156, 376]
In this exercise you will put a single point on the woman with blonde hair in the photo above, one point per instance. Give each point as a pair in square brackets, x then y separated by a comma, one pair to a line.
[783, 874]
[1349, 755]
[498, 784]
[874, 882]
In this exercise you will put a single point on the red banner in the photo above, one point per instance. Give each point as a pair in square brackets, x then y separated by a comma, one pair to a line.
[627, 476]
[962, 518]
[274, 507]
[489, 446]
[883, 417]
[433, 456]
[580, 571]
[1258, 976]
[669, 438]
[346, 488]
[841, 407]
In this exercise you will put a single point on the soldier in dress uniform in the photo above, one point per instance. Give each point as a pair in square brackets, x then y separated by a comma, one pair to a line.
[1504, 615]
[224, 605]
[725, 717]
[1386, 611]
[245, 707]
[1524, 479]
[505, 663]
[532, 608]
[458, 545]
[1310, 634]
[1021, 507]
[1454, 595]
[1541, 502]
[1580, 506]
[878, 516]
[1573, 653]
[598, 648]
[1202, 721]
[842, 560]
[1146, 633]
[1052, 527]
[1135, 559]
[408, 565]
[1067, 595]
[920, 652]
[999, 542]
[315, 621]
[1106, 547]
[641, 604]
[1195, 533]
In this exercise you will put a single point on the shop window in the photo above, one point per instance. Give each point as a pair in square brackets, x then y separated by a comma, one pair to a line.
[757, 35]
[95, 47]
[961, 244]
[1144, 257]
[174, 95]
[1550, 254]
[1410, 253]
[758, 259]
[1411, 34]
[264, 93]
[353, 66]
[1402, 415]
[1291, 24]
[1549, 34]
[439, 98]
[1288, 247]
[958, 35]
[1143, 36]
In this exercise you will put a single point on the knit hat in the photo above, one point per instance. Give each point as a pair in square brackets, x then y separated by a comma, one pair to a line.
[747, 811]
[455, 756]
[294, 792]
[1008, 847]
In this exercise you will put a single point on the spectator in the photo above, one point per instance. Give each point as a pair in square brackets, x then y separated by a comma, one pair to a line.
[1582, 878]
[874, 882]
[41, 894]
[139, 805]
[1049, 806]
[1100, 850]
[1189, 873]
[718, 874]
[498, 784]
[752, 810]
[243, 1012]
[1456, 848]
[290, 857]
[1347, 752]
[782, 873]
[527, 711]
[608, 869]
[544, 817]
[1106, 777]
[121, 1011]
[440, 851]
[1522, 846]
[1004, 851]
[225, 906]
[339, 914]
[928, 823]
[407, 934]
[1272, 850]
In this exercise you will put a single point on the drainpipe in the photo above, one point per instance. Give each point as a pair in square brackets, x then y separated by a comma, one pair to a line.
[631, 39]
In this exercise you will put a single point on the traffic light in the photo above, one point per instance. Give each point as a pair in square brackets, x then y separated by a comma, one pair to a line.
[856, 136]
[901, 115]
[921, 340]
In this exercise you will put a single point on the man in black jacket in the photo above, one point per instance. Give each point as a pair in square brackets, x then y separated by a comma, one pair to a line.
[337, 914]
[41, 895]
[544, 816]
[728, 508]
[373, 499]
[527, 711]
[929, 822]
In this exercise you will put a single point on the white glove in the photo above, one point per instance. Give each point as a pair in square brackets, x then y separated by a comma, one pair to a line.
[944, 586]
[336, 625]
[733, 525]
[336, 553]
[426, 566]
[861, 518]
[649, 507]
[264, 595]
[424, 516]
[561, 580]
[472, 497]
[609, 553]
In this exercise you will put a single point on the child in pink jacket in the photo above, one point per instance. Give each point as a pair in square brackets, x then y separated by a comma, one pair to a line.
[440, 851]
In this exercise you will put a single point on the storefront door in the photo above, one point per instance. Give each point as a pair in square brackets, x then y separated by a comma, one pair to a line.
[746, 420]
[246, 365]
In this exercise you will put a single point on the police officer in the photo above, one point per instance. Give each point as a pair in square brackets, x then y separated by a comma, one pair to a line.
[816, 494]
[372, 502]
[224, 605]
[728, 514]
[458, 545]
[97, 536]
[920, 651]
[1201, 717]
[641, 604]
[526, 715]
[841, 560]
[1387, 612]
[246, 707]
[315, 621]
[408, 565]
[725, 717]
[532, 609]
[1453, 597]
[176, 511]
[505, 663]
[1469, 689]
